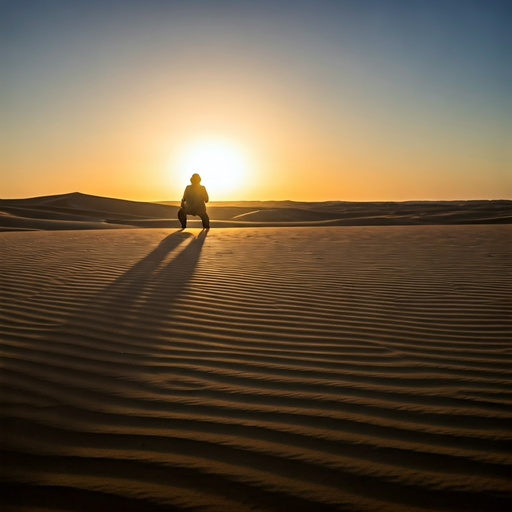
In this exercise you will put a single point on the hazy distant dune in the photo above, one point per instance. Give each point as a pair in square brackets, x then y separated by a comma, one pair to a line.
[280, 215]
[95, 204]
[89, 212]
[49, 222]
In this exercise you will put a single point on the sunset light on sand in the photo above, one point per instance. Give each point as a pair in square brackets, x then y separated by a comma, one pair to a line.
[255, 256]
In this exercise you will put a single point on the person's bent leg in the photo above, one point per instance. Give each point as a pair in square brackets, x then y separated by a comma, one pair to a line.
[206, 220]
[182, 216]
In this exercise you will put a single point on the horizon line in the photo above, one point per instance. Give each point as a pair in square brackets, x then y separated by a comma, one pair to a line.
[261, 200]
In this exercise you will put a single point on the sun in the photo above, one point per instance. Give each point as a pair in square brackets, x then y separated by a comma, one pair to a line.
[222, 164]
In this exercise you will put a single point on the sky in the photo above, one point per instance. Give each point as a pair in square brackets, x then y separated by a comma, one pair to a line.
[352, 100]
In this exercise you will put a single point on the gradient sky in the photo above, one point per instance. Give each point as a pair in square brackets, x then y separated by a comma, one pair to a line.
[329, 99]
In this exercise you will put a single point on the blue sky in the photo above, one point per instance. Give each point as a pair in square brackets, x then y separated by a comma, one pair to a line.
[382, 99]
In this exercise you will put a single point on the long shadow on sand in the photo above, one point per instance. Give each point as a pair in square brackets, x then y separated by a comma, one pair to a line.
[131, 313]
[169, 284]
[88, 367]
[143, 297]
[159, 272]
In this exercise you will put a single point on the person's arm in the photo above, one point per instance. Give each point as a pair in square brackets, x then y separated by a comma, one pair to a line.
[206, 198]
[184, 196]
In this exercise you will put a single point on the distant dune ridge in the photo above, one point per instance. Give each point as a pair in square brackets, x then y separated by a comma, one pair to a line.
[82, 211]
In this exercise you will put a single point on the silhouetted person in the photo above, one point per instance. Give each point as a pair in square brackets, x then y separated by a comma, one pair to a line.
[194, 202]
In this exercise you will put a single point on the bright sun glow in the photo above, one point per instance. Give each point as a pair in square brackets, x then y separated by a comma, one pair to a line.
[221, 163]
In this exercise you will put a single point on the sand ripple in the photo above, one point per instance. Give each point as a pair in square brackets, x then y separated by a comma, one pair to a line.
[364, 369]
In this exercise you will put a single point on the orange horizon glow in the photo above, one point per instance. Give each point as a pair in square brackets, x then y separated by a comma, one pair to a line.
[264, 173]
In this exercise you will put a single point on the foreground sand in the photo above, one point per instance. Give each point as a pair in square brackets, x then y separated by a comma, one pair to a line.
[327, 368]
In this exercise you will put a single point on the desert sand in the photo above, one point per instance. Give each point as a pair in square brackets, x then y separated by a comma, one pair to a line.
[313, 368]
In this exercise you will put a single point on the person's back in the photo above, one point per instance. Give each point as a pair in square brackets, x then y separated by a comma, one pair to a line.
[194, 202]
[194, 199]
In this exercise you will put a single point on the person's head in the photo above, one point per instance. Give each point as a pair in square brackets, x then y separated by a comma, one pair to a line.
[195, 179]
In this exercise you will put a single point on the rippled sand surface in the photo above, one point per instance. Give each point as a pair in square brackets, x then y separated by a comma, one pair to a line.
[273, 369]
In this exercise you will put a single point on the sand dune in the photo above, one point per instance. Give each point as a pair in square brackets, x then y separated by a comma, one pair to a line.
[325, 368]
[82, 211]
